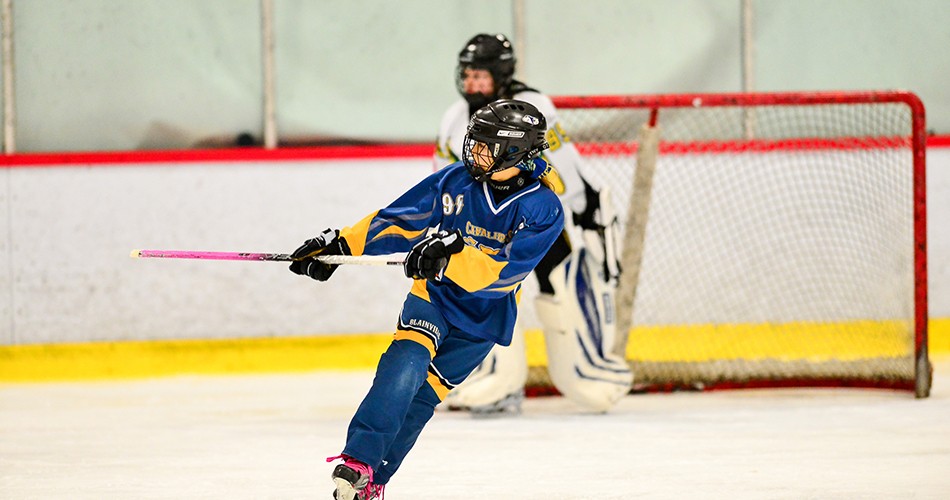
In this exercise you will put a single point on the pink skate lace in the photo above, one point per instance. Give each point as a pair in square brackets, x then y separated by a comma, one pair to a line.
[355, 465]
[373, 491]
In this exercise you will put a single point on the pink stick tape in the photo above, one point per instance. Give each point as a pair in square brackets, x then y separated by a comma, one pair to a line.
[188, 254]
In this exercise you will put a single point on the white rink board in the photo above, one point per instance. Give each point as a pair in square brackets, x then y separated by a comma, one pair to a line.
[65, 273]
[73, 229]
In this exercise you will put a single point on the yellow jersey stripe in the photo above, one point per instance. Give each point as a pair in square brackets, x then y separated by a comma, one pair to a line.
[473, 270]
[399, 231]
[440, 390]
[508, 288]
[355, 236]
[419, 290]
[417, 338]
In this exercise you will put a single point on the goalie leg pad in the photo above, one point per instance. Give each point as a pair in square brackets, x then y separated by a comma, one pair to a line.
[497, 385]
[578, 327]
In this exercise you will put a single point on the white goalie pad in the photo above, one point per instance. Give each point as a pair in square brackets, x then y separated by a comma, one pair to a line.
[580, 361]
[503, 373]
[579, 323]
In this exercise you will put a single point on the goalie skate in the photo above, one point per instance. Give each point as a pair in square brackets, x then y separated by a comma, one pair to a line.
[508, 405]
[496, 387]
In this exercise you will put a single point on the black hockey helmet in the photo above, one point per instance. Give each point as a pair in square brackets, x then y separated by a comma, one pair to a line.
[503, 134]
[489, 52]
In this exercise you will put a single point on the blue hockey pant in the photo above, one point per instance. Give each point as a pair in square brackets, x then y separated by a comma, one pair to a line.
[427, 358]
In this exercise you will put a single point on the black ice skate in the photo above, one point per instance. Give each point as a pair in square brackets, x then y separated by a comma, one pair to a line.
[353, 480]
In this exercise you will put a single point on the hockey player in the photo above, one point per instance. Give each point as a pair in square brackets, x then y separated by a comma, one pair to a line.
[576, 278]
[473, 231]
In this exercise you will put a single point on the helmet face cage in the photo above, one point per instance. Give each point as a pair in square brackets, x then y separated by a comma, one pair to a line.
[483, 157]
[488, 52]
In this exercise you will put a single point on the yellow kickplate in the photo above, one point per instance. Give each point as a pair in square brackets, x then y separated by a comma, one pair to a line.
[120, 360]
[689, 343]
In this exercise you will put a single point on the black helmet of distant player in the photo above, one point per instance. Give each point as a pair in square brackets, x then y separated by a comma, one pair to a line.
[503, 134]
[493, 53]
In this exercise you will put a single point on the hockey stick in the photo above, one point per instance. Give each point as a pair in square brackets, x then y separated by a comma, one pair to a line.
[363, 260]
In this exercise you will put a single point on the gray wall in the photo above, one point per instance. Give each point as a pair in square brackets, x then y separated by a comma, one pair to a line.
[158, 74]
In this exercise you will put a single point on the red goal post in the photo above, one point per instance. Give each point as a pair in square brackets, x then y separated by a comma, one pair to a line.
[770, 239]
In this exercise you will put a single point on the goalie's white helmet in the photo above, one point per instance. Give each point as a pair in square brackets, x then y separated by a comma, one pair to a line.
[501, 135]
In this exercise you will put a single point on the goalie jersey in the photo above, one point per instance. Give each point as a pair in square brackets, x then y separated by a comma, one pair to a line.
[504, 240]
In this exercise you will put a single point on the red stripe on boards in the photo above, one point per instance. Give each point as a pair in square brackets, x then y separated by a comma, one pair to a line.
[395, 151]
[375, 151]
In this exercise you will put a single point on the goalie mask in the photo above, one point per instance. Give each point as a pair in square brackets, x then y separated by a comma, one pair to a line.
[488, 52]
[503, 134]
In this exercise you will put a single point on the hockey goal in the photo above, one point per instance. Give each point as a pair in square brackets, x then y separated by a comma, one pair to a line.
[770, 239]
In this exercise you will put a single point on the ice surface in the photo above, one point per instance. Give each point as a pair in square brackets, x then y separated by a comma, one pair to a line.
[267, 436]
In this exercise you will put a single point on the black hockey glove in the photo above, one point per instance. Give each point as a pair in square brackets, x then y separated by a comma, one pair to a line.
[429, 258]
[328, 242]
[588, 219]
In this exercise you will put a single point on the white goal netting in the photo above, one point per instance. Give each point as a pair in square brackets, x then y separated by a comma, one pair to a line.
[782, 243]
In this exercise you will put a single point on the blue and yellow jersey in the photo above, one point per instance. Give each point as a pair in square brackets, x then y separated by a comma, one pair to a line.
[503, 243]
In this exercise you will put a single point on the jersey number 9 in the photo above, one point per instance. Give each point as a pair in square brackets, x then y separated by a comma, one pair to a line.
[449, 206]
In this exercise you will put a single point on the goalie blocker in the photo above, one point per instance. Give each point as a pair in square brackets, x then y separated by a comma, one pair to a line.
[579, 327]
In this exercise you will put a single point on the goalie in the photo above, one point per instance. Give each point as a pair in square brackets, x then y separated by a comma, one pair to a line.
[576, 278]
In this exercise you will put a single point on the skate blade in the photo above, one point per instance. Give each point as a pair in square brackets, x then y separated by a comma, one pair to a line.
[495, 412]
[344, 490]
